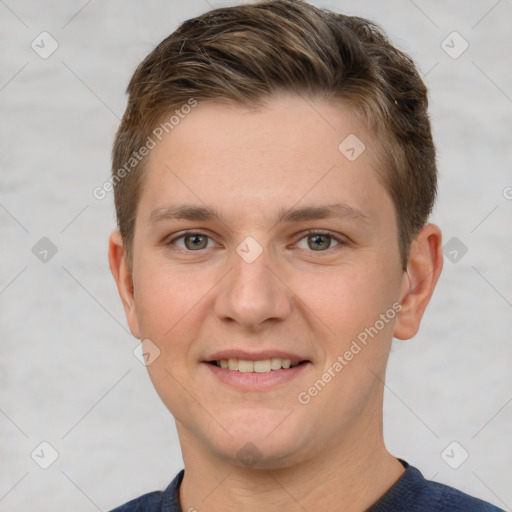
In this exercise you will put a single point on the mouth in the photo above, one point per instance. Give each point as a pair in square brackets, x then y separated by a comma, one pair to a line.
[250, 370]
[258, 374]
[259, 366]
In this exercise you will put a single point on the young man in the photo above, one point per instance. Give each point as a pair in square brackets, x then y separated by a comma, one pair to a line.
[273, 174]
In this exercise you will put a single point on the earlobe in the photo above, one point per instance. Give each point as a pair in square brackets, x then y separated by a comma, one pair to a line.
[123, 278]
[423, 270]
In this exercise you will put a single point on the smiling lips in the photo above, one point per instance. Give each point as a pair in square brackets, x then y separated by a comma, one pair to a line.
[263, 361]
[253, 372]
[260, 366]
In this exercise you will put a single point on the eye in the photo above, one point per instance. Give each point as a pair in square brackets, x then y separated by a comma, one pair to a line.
[320, 241]
[192, 241]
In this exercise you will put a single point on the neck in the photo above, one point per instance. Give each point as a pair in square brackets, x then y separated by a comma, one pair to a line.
[348, 474]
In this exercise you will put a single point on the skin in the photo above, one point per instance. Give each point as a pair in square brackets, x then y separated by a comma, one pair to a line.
[298, 296]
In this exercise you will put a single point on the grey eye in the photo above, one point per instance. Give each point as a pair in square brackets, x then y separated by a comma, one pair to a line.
[192, 242]
[196, 241]
[318, 241]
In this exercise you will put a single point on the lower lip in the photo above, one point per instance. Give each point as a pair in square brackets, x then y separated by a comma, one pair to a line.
[253, 381]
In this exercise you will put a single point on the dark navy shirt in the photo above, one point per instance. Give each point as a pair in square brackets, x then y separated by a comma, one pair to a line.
[410, 493]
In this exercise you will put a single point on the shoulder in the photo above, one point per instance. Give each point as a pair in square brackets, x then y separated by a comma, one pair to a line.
[156, 501]
[426, 495]
[412, 492]
[151, 502]
[448, 499]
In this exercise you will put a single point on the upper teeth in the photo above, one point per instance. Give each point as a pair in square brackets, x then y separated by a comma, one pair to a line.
[263, 366]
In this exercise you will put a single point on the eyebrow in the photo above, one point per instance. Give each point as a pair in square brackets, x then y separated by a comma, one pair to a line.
[284, 215]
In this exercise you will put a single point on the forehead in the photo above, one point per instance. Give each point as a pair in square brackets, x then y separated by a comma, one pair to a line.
[292, 150]
[286, 123]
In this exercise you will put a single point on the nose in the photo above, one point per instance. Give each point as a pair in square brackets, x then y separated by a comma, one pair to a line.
[253, 293]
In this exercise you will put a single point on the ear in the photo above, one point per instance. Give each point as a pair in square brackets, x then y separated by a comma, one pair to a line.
[423, 270]
[123, 278]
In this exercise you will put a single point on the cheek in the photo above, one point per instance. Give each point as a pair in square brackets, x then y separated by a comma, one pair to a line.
[350, 298]
[348, 304]
[173, 303]
[163, 299]
[168, 305]
[357, 307]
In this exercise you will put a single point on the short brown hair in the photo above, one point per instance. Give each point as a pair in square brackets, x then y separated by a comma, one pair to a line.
[245, 54]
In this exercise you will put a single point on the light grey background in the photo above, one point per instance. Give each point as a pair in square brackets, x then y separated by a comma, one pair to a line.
[67, 372]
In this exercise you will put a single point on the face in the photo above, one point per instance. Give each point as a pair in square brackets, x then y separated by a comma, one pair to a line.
[261, 243]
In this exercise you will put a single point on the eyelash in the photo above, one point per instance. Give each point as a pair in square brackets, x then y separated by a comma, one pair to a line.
[340, 241]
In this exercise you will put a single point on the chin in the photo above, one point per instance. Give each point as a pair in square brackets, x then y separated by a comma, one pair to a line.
[262, 438]
[260, 455]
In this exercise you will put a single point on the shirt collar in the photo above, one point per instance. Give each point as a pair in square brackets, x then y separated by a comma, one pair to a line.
[171, 503]
[170, 497]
